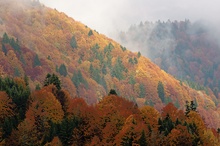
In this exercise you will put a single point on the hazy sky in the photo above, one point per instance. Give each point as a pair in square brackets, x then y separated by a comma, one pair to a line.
[116, 15]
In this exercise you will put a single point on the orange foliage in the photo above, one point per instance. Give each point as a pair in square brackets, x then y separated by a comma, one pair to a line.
[6, 106]
[45, 105]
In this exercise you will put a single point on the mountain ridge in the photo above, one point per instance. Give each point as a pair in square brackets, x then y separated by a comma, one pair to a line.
[94, 65]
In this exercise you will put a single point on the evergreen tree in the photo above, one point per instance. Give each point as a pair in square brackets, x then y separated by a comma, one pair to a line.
[187, 108]
[63, 70]
[90, 33]
[16, 72]
[65, 130]
[15, 44]
[73, 42]
[118, 69]
[112, 92]
[132, 80]
[5, 38]
[77, 79]
[142, 141]
[139, 54]
[37, 87]
[4, 49]
[160, 91]
[104, 70]
[135, 60]
[52, 79]
[193, 106]
[36, 61]
[123, 48]
[131, 61]
[142, 93]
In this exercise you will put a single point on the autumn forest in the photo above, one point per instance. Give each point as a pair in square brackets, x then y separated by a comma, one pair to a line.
[63, 83]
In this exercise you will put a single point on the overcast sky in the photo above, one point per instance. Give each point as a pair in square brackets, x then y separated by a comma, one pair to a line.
[115, 15]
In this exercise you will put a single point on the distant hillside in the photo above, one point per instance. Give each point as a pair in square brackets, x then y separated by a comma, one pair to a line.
[189, 51]
[37, 40]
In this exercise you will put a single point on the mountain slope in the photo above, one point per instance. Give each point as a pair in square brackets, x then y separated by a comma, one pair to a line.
[189, 51]
[37, 40]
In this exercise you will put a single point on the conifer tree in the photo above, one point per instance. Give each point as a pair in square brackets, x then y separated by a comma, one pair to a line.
[63, 70]
[142, 141]
[52, 79]
[160, 91]
[73, 42]
[36, 61]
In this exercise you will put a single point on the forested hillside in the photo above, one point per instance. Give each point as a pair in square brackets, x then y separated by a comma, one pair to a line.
[37, 40]
[189, 51]
[49, 116]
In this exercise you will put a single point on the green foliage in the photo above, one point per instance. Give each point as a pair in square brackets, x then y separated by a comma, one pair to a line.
[131, 61]
[37, 87]
[90, 33]
[123, 48]
[118, 69]
[150, 103]
[78, 79]
[52, 79]
[17, 72]
[190, 107]
[196, 86]
[15, 45]
[104, 70]
[142, 88]
[97, 54]
[65, 130]
[139, 54]
[142, 140]
[132, 80]
[5, 38]
[108, 49]
[168, 100]
[36, 61]
[73, 42]
[63, 70]
[135, 60]
[177, 105]
[109, 61]
[112, 92]
[160, 91]
[19, 95]
[4, 49]
[22, 59]
[95, 73]
[166, 125]
[7, 127]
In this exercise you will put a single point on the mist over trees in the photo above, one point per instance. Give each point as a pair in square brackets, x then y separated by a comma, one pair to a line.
[188, 50]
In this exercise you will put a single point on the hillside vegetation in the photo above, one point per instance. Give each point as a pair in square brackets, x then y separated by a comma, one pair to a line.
[49, 116]
[188, 51]
[37, 40]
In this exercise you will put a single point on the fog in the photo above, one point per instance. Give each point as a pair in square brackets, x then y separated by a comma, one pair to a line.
[107, 17]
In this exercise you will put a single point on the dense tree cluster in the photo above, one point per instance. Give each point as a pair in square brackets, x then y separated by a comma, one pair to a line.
[49, 116]
[187, 50]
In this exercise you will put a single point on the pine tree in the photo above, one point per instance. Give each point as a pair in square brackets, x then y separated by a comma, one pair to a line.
[139, 54]
[142, 141]
[142, 93]
[5, 38]
[90, 33]
[63, 70]
[4, 49]
[36, 61]
[73, 42]
[160, 91]
[52, 79]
